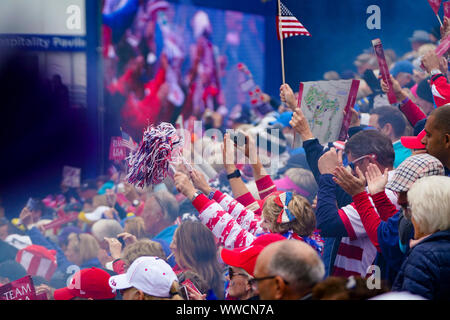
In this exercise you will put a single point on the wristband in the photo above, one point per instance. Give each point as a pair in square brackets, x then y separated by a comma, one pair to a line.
[211, 194]
[235, 174]
[404, 101]
[435, 72]
[196, 194]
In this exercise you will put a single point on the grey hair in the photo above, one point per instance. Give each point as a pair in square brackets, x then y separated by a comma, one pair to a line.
[106, 228]
[302, 270]
[168, 204]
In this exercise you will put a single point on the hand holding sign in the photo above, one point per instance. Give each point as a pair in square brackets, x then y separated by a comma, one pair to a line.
[47, 290]
[300, 124]
[399, 93]
[384, 70]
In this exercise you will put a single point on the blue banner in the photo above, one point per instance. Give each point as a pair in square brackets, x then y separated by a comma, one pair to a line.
[43, 42]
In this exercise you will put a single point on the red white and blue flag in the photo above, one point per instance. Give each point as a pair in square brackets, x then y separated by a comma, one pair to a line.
[288, 25]
[128, 142]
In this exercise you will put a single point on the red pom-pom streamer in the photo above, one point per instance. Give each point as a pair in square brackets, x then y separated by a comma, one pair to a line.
[151, 162]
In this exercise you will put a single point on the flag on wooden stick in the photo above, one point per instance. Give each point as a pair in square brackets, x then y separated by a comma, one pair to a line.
[288, 25]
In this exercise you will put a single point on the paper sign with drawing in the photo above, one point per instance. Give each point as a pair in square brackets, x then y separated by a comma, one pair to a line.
[326, 105]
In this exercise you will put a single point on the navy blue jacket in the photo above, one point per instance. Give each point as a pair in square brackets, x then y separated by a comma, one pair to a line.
[328, 221]
[426, 269]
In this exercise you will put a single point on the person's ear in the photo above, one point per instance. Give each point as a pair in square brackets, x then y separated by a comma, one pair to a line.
[138, 295]
[387, 129]
[280, 288]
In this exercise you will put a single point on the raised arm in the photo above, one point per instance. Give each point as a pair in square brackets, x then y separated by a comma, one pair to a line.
[328, 215]
[243, 216]
[411, 111]
[287, 96]
[263, 181]
[229, 233]
[238, 187]
[228, 153]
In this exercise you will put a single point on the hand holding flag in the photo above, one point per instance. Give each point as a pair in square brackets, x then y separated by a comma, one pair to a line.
[128, 142]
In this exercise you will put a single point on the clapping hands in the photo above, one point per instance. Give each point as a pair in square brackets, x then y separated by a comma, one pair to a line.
[376, 180]
[351, 184]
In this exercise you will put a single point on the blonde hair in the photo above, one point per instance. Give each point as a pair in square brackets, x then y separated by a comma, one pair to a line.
[135, 226]
[141, 248]
[425, 48]
[299, 206]
[85, 245]
[174, 293]
[429, 199]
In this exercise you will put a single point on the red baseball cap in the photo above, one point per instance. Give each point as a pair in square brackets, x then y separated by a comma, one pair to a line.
[91, 283]
[413, 142]
[245, 257]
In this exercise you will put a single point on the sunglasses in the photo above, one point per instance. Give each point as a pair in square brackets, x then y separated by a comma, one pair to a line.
[231, 273]
[352, 164]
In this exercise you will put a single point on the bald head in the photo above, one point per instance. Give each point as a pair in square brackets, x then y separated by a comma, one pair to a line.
[293, 261]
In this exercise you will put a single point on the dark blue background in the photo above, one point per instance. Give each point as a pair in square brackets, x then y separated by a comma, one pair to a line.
[339, 33]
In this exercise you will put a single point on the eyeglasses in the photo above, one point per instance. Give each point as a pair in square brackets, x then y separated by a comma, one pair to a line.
[352, 164]
[254, 281]
[231, 273]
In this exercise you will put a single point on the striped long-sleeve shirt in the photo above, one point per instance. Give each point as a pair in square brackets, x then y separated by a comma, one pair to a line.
[265, 187]
[233, 225]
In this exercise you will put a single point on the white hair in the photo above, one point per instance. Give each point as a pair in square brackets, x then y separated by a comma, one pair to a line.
[429, 200]
[106, 228]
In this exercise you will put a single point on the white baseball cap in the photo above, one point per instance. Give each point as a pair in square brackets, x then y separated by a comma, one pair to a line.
[152, 275]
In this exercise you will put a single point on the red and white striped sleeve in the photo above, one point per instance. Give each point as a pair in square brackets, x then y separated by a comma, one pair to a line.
[229, 233]
[243, 216]
[265, 186]
[250, 202]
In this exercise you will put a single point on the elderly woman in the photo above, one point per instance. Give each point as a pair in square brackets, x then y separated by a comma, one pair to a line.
[426, 269]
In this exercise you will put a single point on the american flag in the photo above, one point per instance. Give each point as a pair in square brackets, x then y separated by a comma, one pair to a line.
[288, 25]
[127, 141]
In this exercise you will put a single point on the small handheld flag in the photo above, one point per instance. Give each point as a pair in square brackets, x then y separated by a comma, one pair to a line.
[288, 25]
[435, 5]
